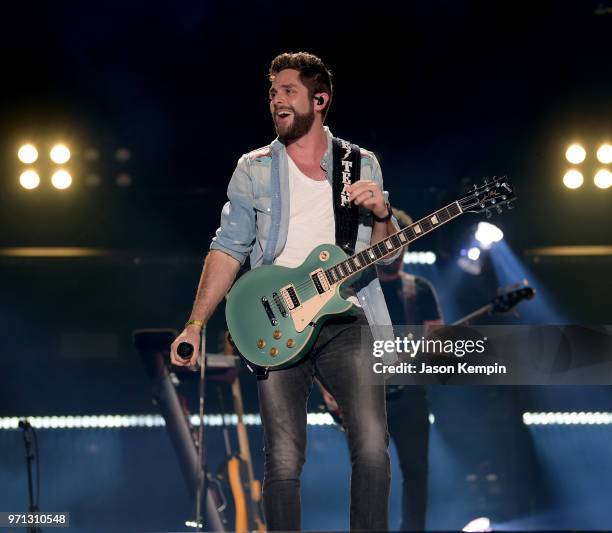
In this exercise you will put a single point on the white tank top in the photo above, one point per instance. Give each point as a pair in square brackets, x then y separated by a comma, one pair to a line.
[311, 217]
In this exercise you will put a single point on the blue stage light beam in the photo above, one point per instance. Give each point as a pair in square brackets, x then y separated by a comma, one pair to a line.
[543, 309]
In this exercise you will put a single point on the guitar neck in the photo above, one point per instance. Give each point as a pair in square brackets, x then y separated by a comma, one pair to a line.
[391, 244]
[484, 310]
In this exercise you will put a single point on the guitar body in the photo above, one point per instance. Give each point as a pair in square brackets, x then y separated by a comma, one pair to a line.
[274, 313]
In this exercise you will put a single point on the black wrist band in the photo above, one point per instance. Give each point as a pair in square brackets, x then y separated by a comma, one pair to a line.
[386, 217]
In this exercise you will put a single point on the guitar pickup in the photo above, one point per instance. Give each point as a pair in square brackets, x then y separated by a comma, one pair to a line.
[320, 281]
[279, 304]
[269, 312]
[290, 297]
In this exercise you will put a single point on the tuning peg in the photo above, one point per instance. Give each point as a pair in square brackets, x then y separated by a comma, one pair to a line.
[488, 213]
[499, 209]
[510, 205]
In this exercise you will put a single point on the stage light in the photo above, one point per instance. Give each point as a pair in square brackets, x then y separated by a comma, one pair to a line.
[572, 418]
[474, 253]
[60, 154]
[603, 178]
[487, 234]
[575, 154]
[470, 266]
[92, 180]
[419, 258]
[573, 179]
[146, 421]
[29, 179]
[123, 155]
[481, 524]
[61, 179]
[27, 154]
[604, 154]
[91, 154]
[320, 419]
[124, 180]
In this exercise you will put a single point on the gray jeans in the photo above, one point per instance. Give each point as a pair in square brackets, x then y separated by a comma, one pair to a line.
[337, 362]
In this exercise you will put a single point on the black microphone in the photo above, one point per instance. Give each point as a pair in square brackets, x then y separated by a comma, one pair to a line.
[184, 350]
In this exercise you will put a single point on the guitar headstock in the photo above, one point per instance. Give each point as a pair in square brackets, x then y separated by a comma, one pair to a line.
[494, 193]
[508, 299]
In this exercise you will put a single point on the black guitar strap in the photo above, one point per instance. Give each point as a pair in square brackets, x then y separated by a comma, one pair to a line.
[347, 170]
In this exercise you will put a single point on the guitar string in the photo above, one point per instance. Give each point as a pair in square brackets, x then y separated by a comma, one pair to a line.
[309, 282]
[464, 203]
[377, 245]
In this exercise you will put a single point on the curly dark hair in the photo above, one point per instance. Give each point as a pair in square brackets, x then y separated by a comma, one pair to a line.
[313, 73]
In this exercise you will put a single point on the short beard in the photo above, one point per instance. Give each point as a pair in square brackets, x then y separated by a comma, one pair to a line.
[301, 126]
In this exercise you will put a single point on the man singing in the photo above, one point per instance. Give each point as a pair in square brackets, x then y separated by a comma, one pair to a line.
[281, 205]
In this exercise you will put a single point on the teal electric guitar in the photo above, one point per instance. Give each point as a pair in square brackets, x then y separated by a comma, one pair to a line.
[274, 313]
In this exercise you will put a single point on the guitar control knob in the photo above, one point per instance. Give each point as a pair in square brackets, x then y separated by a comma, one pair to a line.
[273, 351]
[261, 343]
[277, 334]
[290, 343]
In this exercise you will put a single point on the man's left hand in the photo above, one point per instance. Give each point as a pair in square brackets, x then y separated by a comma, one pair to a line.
[368, 194]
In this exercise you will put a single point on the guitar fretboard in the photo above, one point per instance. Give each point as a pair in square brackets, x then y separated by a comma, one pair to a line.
[354, 264]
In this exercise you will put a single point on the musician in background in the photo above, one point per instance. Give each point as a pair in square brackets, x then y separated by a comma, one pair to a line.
[411, 300]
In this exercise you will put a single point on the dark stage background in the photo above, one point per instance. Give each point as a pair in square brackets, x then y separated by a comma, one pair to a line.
[443, 92]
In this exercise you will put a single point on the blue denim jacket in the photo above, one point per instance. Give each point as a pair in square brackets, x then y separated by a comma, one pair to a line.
[255, 220]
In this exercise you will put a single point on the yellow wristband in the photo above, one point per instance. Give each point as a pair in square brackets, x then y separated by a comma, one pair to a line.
[199, 323]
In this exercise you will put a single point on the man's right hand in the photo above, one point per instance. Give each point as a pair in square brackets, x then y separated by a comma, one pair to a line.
[219, 272]
[190, 335]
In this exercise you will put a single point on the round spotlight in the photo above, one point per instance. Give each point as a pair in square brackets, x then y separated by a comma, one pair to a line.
[92, 180]
[124, 180]
[29, 179]
[122, 155]
[603, 178]
[575, 154]
[478, 525]
[573, 179]
[60, 154]
[91, 154]
[474, 253]
[419, 258]
[471, 267]
[61, 179]
[27, 154]
[487, 234]
[429, 258]
[604, 154]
